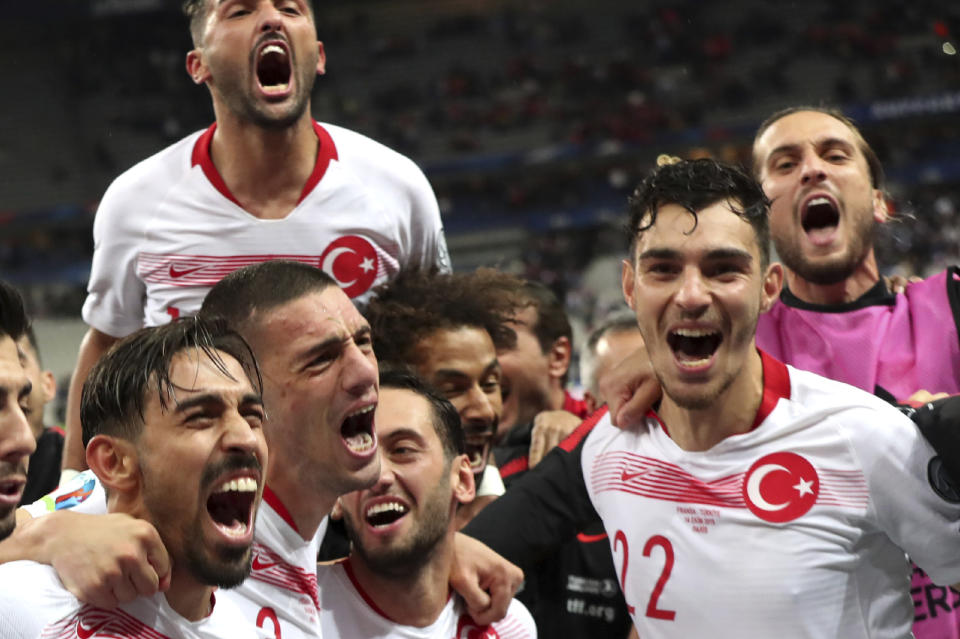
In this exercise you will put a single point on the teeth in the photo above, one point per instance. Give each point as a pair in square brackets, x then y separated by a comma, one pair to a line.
[694, 363]
[693, 332]
[360, 442]
[362, 411]
[272, 48]
[818, 201]
[386, 507]
[241, 485]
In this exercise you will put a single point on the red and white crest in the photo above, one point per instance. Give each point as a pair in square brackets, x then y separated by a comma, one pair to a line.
[353, 262]
[781, 487]
[467, 628]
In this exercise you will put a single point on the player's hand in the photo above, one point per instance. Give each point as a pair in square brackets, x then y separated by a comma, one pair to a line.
[898, 283]
[485, 580]
[631, 389]
[104, 560]
[550, 427]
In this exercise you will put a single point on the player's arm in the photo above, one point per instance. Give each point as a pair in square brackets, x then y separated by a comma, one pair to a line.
[95, 343]
[104, 560]
[543, 509]
[631, 389]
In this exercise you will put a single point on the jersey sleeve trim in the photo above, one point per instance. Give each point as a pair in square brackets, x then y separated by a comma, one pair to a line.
[574, 438]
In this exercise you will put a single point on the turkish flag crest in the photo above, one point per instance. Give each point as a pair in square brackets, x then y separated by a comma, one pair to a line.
[353, 262]
[781, 487]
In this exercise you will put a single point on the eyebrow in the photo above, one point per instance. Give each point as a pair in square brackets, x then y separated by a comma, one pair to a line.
[452, 372]
[331, 342]
[215, 398]
[826, 142]
[712, 254]
[404, 432]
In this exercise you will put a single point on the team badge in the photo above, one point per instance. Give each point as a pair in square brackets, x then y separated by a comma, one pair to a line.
[353, 262]
[467, 628]
[781, 487]
[75, 497]
[941, 482]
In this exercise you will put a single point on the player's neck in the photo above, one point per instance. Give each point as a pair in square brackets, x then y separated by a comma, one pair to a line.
[418, 596]
[306, 505]
[265, 170]
[731, 413]
[189, 598]
[864, 277]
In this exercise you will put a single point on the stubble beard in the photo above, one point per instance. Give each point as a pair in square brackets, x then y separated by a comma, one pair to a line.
[240, 100]
[832, 271]
[405, 558]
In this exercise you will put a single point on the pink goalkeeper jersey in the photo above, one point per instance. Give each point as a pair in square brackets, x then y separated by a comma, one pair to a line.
[902, 343]
[796, 529]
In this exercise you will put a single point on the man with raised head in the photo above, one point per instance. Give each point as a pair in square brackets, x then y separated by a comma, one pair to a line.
[16, 439]
[265, 180]
[394, 583]
[172, 421]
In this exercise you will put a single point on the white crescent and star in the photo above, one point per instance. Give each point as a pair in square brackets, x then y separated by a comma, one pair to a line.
[331, 259]
[753, 487]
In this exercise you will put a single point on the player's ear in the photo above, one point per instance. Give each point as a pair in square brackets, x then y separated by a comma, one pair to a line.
[881, 208]
[461, 479]
[115, 462]
[321, 59]
[197, 68]
[772, 283]
[48, 383]
[627, 276]
[559, 357]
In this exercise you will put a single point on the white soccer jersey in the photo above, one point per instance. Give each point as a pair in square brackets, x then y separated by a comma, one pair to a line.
[168, 228]
[33, 603]
[348, 614]
[280, 595]
[795, 529]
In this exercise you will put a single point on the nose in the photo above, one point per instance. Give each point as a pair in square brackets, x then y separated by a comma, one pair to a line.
[387, 477]
[16, 439]
[812, 168]
[271, 18]
[241, 436]
[359, 372]
[693, 295]
[478, 407]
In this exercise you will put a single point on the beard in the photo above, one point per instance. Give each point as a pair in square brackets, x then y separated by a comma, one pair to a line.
[219, 565]
[834, 270]
[405, 556]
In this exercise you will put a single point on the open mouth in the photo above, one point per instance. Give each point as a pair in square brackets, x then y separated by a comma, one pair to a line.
[385, 513]
[478, 437]
[819, 214]
[231, 506]
[11, 491]
[694, 347]
[273, 68]
[357, 431]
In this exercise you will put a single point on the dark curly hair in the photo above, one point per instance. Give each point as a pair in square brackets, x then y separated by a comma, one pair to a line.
[695, 185]
[418, 303]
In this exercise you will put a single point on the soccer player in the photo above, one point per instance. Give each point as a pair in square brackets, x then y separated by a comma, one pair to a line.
[320, 388]
[799, 495]
[172, 421]
[16, 439]
[836, 315]
[394, 583]
[265, 181]
[43, 473]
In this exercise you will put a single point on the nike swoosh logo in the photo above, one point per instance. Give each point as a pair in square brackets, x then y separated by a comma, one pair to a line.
[174, 273]
[259, 565]
[86, 633]
[625, 476]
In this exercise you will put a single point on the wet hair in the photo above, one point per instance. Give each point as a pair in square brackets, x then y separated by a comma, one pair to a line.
[196, 12]
[258, 288]
[445, 418]
[617, 322]
[116, 390]
[418, 303]
[695, 185]
[13, 317]
[877, 177]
